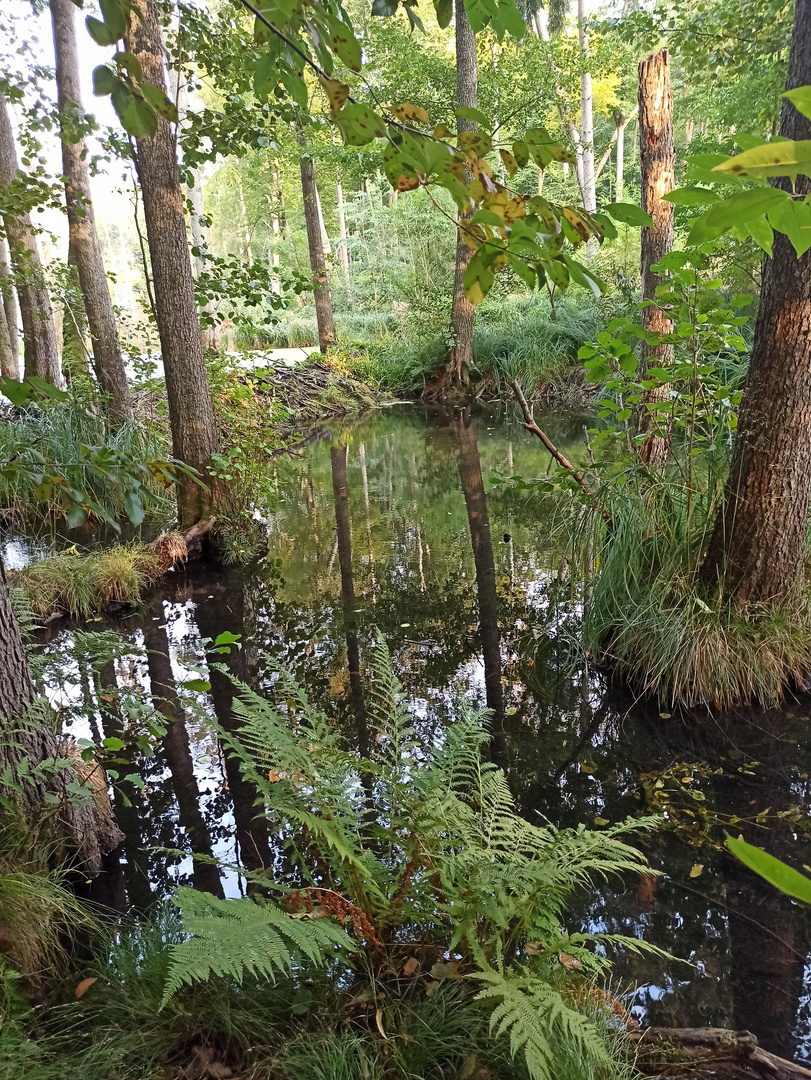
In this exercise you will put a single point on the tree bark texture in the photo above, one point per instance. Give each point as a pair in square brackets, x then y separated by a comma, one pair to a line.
[343, 251]
[9, 366]
[758, 545]
[460, 353]
[9, 301]
[191, 415]
[39, 333]
[321, 296]
[84, 240]
[589, 187]
[658, 163]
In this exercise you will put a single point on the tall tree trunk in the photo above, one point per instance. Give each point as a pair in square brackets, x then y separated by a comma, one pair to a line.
[343, 251]
[619, 187]
[16, 686]
[9, 303]
[658, 163]
[84, 240]
[9, 367]
[191, 415]
[460, 353]
[39, 333]
[759, 543]
[323, 304]
[589, 190]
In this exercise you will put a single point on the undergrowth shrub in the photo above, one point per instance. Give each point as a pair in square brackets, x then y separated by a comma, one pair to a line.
[56, 433]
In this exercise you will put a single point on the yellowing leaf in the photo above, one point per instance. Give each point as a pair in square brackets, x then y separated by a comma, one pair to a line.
[510, 164]
[336, 91]
[697, 869]
[442, 131]
[410, 114]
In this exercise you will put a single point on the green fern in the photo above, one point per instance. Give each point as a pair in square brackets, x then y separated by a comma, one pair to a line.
[418, 843]
[239, 937]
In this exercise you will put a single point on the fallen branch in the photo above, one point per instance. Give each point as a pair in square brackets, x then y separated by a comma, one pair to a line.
[698, 1053]
[530, 425]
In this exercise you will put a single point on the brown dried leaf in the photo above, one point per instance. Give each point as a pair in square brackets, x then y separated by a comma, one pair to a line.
[411, 965]
[569, 961]
[84, 986]
[410, 113]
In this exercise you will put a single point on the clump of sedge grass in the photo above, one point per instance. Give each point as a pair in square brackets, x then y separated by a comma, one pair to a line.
[83, 585]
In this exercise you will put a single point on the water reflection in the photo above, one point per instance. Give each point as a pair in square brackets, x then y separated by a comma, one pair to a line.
[390, 522]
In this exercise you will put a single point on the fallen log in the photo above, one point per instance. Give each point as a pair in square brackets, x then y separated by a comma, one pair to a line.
[709, 1054]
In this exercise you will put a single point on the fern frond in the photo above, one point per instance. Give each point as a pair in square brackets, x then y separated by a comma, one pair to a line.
[240, 937]
[539, 1022]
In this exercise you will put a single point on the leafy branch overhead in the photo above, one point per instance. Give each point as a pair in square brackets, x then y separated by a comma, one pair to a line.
[504, 228]
[756, 209]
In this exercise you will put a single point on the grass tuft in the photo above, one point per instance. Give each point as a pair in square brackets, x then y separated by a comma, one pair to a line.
[83, 585]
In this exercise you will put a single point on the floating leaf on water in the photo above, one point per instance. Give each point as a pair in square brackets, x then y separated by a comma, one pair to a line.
[697, 869]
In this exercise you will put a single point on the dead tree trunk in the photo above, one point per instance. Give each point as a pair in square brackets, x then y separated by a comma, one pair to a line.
[658, 161]
[84, 240]
[39, 333]
[191, 415]
[321, 296]
[343, 251]
[460, 353]
[758, 547]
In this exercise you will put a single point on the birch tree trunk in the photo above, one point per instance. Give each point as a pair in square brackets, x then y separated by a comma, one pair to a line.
[619, 187]
[757, 551]
[343, 251]
[323, 303]
[460, 353]
[588, 187]
[39, 333]
[9, 303]
[84, 240]
[658, 165]
[191, 416]
[9, 367]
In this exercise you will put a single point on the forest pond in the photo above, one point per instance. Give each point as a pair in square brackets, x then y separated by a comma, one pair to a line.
[391, 524]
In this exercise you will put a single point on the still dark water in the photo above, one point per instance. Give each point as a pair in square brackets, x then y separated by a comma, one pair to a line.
[391, 524]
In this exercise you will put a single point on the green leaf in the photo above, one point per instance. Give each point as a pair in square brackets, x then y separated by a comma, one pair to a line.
[521, 152]
[762, 233]
[115, 15]
[558, 273]
[444, 12]
[129, 62]
[691, 197]
[783, 158]
[583, 277]
[226, 638]
[359, 124]
[76, 516]
[113, 744]
[794, 219]
[476, 116]
[196, 685]
[478, 279]
[738, 209]
[777, 873]
[159, 101]
[487, 217]
[522, 268]
[133, 507]
[800, 99]
[104, 81]
[100, 32]
[385, 8]
[629, 214]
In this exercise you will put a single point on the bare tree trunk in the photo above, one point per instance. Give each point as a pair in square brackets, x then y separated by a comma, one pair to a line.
[9, 303]
[343, 251]
[619, 187]
[191, 415]
[460, 353]
[246, 232]
[541, 24]
[323, 304]
[325, 244]
[588, 189]
[84, 240]
[758, 547]
[39, 333]
[658, 163]
[9, 367]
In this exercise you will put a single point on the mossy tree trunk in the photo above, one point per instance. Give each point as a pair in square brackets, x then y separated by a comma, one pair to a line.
[658, 162]
[758, 546]
[84, 240]
[460, 353]
[312, 219]
[191, 414]
[39, 333]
